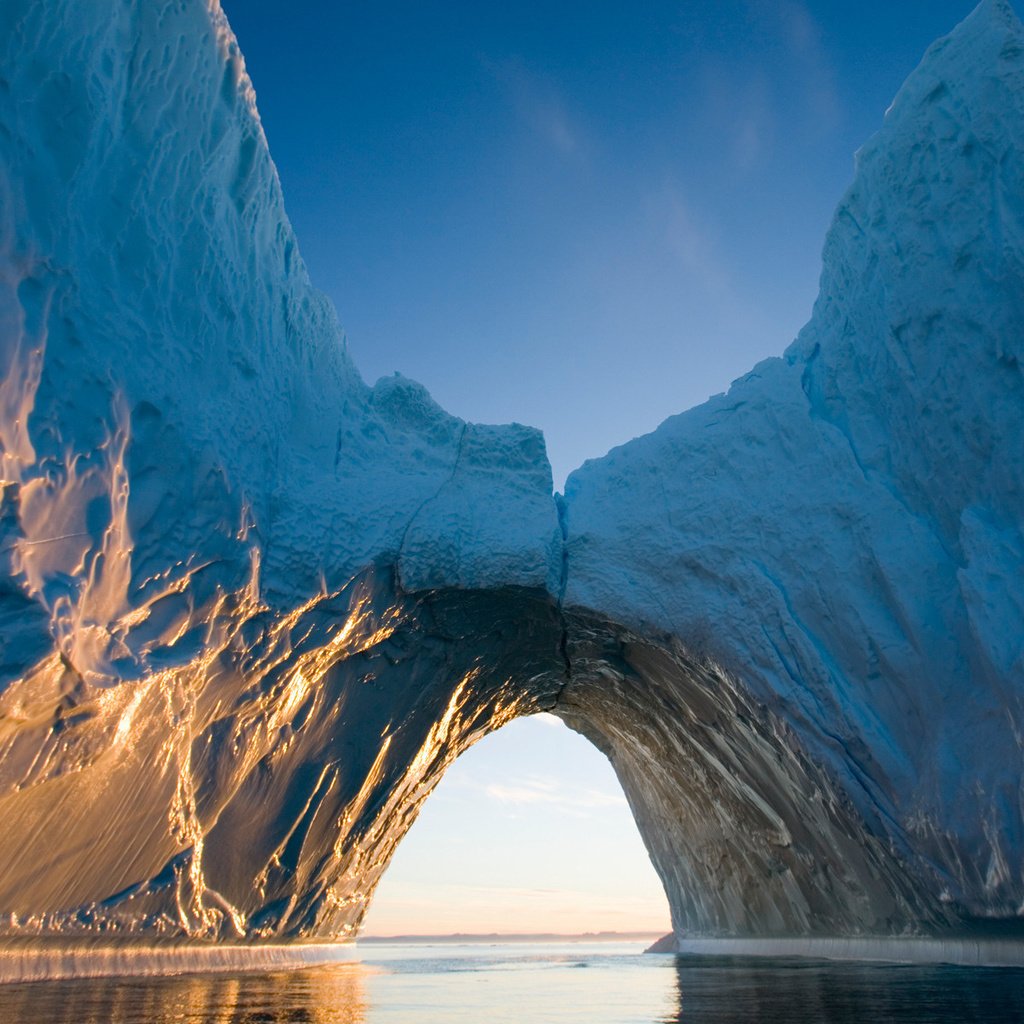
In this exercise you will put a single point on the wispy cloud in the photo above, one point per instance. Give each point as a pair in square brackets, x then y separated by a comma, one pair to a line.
[752, 107]
[689, 242]
[532, 790]
[695, 257]
[809, 61]
[737, 104]
[537, 102]
[541, 791]
[805, 42]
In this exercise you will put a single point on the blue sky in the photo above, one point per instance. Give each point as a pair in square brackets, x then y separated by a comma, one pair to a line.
[585, 217]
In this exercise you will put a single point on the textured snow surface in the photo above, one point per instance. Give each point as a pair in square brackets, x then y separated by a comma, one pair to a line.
[251, 608]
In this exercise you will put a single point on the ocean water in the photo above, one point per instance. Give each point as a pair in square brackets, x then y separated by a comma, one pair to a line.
[595, 983]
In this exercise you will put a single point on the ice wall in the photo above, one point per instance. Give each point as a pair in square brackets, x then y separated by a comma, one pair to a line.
[252, 608]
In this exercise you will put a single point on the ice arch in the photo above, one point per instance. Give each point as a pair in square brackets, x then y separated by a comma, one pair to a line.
[290, 795]
[252, 607]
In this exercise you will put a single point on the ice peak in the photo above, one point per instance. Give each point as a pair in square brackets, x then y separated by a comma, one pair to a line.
[976, 43]
[993, 12]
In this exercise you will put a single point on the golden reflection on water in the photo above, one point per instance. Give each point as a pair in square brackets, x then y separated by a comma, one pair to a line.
[323, 995]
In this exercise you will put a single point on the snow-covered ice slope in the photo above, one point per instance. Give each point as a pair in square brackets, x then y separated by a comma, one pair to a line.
[843, 529]
[251, 608]
[159, 324]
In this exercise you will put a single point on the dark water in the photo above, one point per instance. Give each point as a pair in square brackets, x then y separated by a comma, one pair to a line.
[593, 983]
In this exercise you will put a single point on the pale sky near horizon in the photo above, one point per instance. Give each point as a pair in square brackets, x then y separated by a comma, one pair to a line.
[527, 832]
[582, 217]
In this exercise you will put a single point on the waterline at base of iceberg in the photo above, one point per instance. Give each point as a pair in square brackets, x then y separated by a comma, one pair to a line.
[55, 962]
[966, 952]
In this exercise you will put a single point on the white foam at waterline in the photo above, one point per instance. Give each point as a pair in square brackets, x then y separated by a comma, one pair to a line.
[53, 963]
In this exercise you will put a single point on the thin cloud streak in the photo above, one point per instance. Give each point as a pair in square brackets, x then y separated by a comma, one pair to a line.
[535, 792]
[537, 103]
[806, 42]
[810, 63]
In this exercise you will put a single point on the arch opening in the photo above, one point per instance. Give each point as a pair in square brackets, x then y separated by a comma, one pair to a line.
[528, 834]
[290, 793]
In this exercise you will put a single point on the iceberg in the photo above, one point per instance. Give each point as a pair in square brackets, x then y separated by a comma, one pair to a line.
[253, 608]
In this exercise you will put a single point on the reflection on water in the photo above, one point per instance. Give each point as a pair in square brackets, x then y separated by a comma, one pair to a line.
[321, 995]
[567, 983]
[715, 990]
[555, 984]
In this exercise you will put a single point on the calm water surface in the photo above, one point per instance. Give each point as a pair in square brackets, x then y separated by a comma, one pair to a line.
[600, 983]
